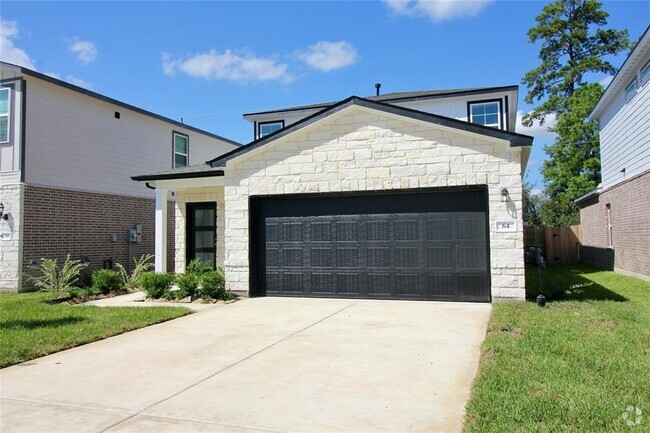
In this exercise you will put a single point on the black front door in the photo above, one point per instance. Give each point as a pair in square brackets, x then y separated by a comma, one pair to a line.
[201, 232]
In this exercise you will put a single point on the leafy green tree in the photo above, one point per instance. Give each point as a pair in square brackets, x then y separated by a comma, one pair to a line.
[574, 166]
[532, 206]
[573, 44]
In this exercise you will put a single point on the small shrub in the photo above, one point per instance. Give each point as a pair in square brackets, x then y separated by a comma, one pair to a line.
[156, 285]
[188, 283]
[58, 281]
[106, 280]
[213, 285]
[142, 265]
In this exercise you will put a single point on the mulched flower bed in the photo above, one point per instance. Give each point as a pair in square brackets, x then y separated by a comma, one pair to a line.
[85, 298]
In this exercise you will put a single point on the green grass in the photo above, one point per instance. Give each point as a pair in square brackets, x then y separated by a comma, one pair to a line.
[573, 366]
[30, 327]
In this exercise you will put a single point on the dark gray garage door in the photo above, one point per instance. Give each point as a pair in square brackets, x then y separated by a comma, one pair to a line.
[325, 247]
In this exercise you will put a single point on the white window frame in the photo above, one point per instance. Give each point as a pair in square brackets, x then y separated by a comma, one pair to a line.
[7, 114]
[629, 96]
[499, 124]
[273, 122]
[645, 68]
[174, 152]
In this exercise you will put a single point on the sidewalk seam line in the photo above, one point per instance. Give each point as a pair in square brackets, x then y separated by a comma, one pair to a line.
[228, 367]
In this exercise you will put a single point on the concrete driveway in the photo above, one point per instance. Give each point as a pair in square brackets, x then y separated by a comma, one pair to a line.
[264, 364]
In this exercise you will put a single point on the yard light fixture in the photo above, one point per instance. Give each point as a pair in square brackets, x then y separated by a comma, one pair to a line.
[505, 196]
[3, 215]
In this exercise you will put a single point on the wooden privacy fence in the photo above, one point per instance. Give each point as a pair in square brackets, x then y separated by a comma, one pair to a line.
[559, 244]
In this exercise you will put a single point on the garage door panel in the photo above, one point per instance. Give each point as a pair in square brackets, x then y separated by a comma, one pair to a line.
[406, 257]
[441, 256]
[400, 255]
[471, 257]
[348, 284]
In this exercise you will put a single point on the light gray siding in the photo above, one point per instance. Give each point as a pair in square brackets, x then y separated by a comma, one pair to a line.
[625, 137]
[74, 141]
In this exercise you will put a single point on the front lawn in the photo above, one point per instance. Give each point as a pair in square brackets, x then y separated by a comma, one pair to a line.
[575, 365]
[30, 328]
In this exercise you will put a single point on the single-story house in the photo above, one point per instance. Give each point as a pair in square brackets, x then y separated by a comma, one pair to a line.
[364, 198]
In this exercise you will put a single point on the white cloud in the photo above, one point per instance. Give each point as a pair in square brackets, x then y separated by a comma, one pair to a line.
[85, 51]
[8, 51]
[437, 10]
[538, 131]
[229, 65]
[536, 192]
[328, 56]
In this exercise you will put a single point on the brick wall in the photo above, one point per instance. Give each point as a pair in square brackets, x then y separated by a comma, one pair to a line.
[630, 213]
[58, 222]
[362, 150]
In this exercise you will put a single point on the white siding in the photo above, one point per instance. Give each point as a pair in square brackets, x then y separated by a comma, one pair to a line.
[625, 137]
[74, 141]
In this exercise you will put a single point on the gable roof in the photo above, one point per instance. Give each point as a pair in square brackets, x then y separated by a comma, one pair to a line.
[400, 97]
[624, 76]
[515, 139]
[101, 97]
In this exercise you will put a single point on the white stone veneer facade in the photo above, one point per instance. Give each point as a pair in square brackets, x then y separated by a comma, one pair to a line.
[360, 149]
[11, 230]
[197, 195]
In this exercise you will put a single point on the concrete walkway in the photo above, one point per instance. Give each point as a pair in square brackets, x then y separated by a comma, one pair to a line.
[264, 364]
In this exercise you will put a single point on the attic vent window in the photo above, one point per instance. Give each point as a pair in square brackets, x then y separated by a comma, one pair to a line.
[117, 114]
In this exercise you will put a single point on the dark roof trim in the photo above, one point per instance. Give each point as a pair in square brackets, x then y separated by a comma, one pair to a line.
[515, 139]
[95, 95]
[383, 98]
[181, 175]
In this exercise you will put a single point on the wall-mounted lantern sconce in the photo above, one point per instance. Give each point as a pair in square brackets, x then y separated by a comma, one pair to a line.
[505, 196]
[3, 215]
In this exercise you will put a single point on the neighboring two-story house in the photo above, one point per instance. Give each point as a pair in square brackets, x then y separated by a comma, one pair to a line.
[412, 195]
[616, 216]
[66, 157]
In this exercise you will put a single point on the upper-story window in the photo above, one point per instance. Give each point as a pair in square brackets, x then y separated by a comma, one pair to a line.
[4, 114]
[266, 128]
[487, 113]
[630, 90]
[645, 73]
[181, 150]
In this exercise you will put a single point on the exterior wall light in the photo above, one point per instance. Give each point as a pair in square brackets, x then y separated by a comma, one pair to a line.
[3, 215]
[505, 196]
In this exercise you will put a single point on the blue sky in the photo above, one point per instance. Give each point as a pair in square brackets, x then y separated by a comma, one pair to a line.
[210, 62]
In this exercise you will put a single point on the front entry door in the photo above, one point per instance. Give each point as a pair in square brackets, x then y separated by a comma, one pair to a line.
[201, 232]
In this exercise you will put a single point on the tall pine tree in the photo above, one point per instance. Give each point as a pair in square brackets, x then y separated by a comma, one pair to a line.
[573, 44]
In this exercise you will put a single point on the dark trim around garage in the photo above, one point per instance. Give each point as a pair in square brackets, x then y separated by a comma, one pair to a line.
[361, 202]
